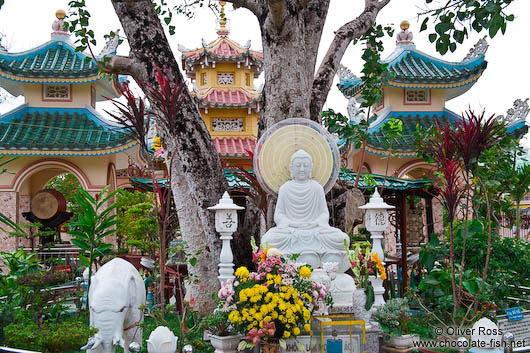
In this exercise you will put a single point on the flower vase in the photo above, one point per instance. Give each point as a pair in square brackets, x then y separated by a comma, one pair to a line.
[270, 347]
[359, 303]
[225, 344]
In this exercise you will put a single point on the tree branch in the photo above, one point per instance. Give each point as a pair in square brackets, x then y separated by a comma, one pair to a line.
[122, 65]
[278, 10]
[343, 37]
[255, 6]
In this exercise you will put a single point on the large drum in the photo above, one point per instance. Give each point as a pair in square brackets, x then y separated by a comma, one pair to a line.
[47, 203]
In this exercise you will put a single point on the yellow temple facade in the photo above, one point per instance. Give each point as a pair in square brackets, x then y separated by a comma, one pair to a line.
[223, 73]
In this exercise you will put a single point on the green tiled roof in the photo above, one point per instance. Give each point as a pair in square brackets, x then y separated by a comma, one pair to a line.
[411, 66]
[411, 121]
[345, 175]
[40, 129]
[54, 59]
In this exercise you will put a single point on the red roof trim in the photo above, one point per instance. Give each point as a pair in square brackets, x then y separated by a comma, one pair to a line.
[234, 146]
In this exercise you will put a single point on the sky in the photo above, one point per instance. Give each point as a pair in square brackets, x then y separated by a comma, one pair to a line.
[27, 23]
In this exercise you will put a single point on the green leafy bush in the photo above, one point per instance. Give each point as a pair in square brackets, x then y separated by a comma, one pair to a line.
[57, 337]
[394, 317]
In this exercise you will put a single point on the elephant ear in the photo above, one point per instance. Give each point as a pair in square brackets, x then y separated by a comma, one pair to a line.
[131, 291]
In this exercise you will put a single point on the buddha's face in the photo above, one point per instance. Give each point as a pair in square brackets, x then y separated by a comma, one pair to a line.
[301, 169]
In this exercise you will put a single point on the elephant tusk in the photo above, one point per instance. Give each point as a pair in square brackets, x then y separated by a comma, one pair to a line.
[93, 343]
[118, 340]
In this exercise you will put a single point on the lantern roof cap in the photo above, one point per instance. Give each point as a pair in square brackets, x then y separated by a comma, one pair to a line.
[376, 203]
[226, 203]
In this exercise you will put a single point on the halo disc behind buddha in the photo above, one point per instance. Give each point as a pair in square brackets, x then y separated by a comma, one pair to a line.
[276, 146]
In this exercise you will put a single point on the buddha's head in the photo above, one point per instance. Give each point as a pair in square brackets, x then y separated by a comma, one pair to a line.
[301, 166]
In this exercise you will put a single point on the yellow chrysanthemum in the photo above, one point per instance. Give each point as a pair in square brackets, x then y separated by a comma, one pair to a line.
[233, 316]
[286, 334]
[307, 327]
[305, 272]
[242, 272]
[296, 331]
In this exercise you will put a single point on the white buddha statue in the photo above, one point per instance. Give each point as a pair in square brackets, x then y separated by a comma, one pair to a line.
[302, 220]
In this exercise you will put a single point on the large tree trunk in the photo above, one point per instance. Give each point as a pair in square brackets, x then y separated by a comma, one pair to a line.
[196, 172]
[290, 36]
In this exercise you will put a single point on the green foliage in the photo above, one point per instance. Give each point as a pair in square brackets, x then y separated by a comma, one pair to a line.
[394, 317]
[509, 268]
[94, 223]
[217, 323]
[454, 20]
[20, 263]
[53, 337]
[188, 327]
[137, 224]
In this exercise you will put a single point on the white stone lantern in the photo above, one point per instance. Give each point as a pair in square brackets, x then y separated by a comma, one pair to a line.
[226, 225]
[376, 221]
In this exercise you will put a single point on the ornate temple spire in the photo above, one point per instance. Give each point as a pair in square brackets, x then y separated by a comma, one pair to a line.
[223, 25]
[58, 31]
[404, 37]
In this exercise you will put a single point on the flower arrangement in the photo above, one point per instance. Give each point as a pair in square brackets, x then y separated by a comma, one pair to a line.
[275, 302]
[364, 264]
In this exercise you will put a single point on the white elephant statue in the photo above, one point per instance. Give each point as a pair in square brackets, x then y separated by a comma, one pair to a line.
[116, 294]
[162, 340]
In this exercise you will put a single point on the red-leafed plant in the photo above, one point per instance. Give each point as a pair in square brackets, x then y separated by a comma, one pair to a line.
[132, 117]
[456, 151]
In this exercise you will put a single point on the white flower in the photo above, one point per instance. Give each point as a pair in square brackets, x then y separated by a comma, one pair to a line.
[273, 252]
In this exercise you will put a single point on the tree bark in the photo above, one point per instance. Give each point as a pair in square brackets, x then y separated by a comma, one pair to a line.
[197, 176]
[343, 37]
[290, 53]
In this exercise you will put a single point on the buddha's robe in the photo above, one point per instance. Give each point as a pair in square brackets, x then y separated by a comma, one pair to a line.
[302, 220]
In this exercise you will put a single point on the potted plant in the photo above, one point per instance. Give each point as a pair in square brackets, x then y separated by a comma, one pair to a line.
[223, 337]
[274, 303]
[394, 318]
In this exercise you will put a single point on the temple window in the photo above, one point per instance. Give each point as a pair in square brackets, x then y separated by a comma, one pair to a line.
[415, 96]
[225, 78]
[203, 78]
[56, 92]
[247, 79]
[227, 124]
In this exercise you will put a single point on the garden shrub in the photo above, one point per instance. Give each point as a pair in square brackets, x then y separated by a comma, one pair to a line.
[54, 337]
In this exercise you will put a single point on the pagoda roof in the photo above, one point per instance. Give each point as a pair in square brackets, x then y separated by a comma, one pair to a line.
[234, 146]
[345, 175]
[412, 121]
[55, 61]
[404, 145]
[33, 131]
[415, 69]
[222, 49]
[228, 97]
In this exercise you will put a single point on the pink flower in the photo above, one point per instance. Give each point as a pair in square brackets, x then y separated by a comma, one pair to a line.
[353, 264]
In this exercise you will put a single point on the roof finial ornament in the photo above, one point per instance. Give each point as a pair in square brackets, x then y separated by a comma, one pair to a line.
[111, 45]
[223, 29]
[404, 37]
[519, 112]
[58, 24]
[479, 49]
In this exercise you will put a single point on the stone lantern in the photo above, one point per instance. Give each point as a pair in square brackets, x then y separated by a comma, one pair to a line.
[376, 221]
[226, 225]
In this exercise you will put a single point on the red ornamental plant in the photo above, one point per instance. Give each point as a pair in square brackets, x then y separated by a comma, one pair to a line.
[168, 96]
[474, 134]
[132, 117]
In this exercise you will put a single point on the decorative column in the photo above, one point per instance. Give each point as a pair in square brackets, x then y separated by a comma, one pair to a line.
[226, 225]
[376, 221]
